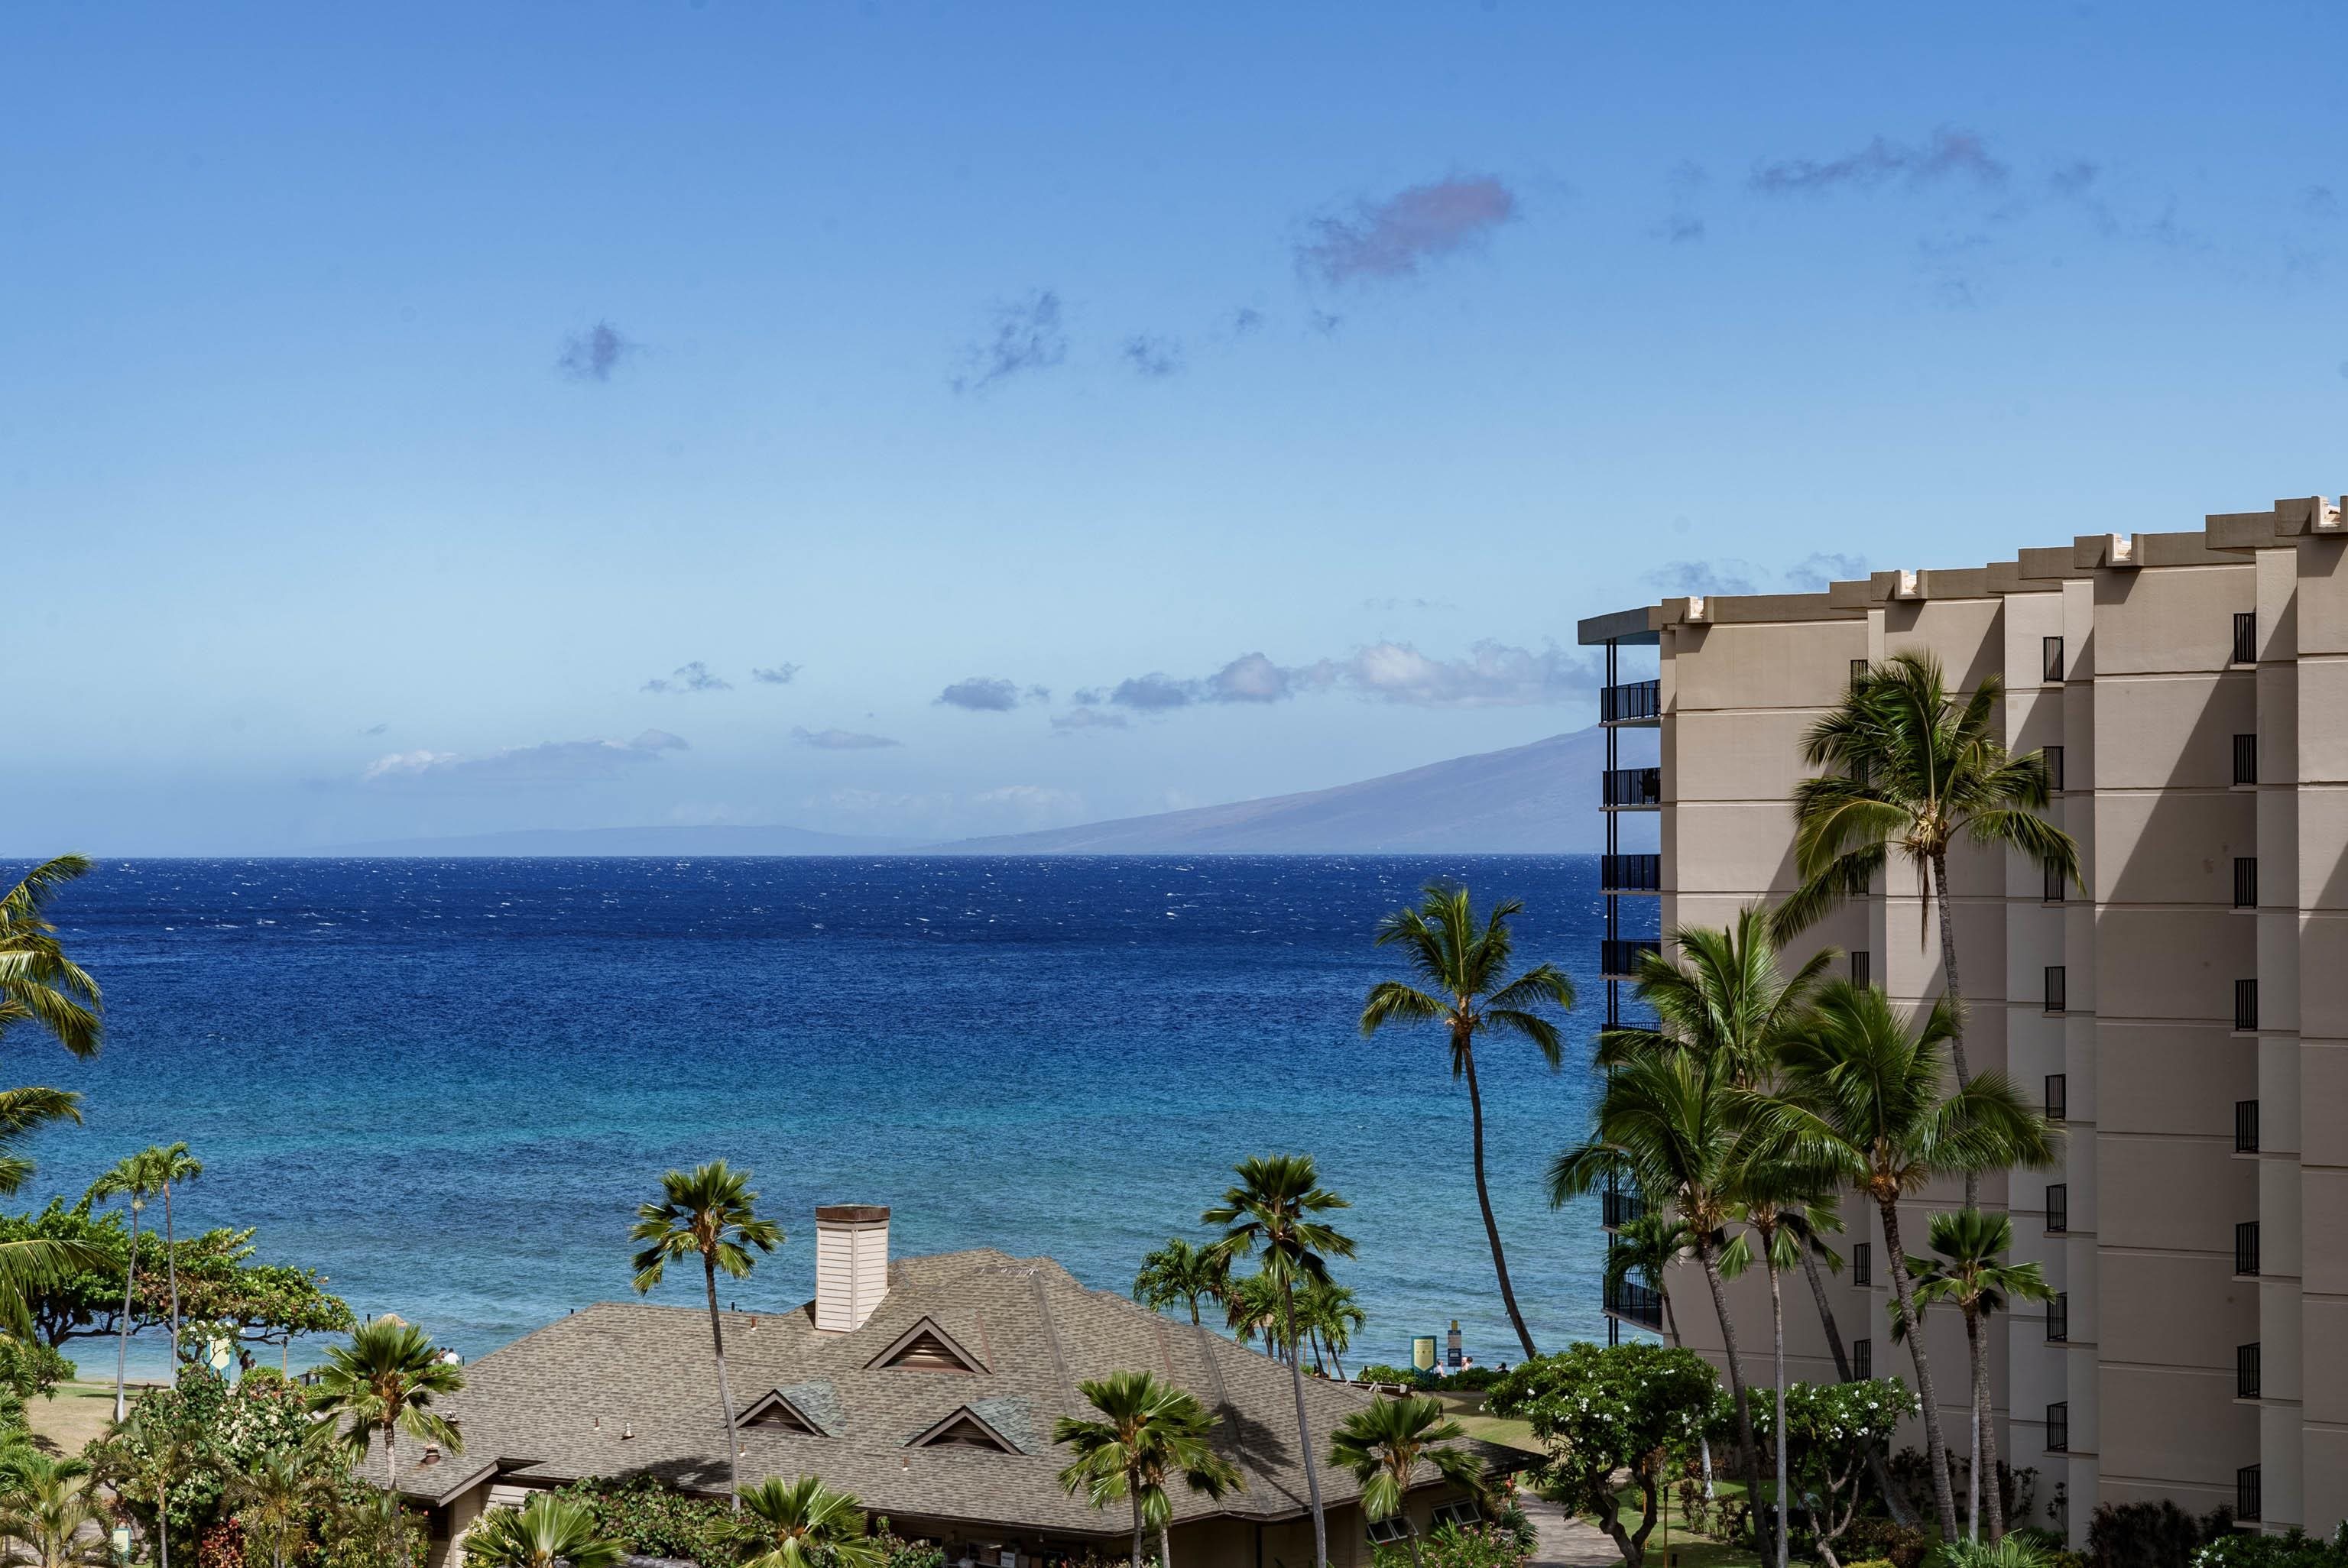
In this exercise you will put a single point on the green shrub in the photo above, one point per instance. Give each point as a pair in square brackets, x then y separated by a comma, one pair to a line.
[2293, 1549]
[2152, 1534]
[658, 1521]
[1882, 1540]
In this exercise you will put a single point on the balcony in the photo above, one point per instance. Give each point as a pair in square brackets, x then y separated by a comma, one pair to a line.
[2246, 1247]
[1629, 874]
[1631, 789]
[1618, 957]
[2246, 637]
[1636, 702]
[1618, 1209]
[1634, 1303]
[2246, 1371]
[2245, 1126]
[2059, 1319]
[2248, 1501]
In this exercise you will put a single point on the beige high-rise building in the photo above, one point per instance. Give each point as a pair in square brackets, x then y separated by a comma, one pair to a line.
[2184, 1014]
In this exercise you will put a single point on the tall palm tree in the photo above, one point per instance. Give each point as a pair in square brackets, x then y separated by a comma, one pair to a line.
[383, 1383]
[1864, 1106]
[1965, 1271]
[1385, 1445]
[1148, 1433]
[1671, 1123]
[1463, 968]
[1779, 1203]
[804, 1523]
[136, 1179]
[49, 1507]
[1181, 1273]
[272, 1502]
[173, 1166]
[39, 985]
[710, 1211]
[1274, 1210]
[162, 1452]
[1720, 993]
[545, 1531]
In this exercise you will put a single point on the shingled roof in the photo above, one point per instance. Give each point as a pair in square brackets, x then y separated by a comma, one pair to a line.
[988, 1351]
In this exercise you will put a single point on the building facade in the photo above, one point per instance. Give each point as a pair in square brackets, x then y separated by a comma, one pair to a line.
[2182, 1011]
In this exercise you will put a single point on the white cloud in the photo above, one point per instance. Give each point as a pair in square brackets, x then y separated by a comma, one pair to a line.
[548, 763]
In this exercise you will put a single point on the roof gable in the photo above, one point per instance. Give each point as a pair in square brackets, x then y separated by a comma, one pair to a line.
[928, 1347]
[965, 1428]
[810, 1409]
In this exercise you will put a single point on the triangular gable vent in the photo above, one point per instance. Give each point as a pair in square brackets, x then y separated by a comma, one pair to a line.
[776, 1413]
[930, 1348]
[964, 1428]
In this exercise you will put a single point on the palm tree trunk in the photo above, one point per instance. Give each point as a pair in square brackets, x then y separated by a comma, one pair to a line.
[1303, 1431]
[1136, 1523]
[1777, 1328]
[1672, 1323]
[399, 1519]
[163, 1525]
[122, 1340]
[1974, 1405]
[1985, 1460]
[1484, 1199]
[725, 1393]
[1165, 1544]
[1194, 1311]
[1936, 1450]
[171, 1268]
[1875, 1471]
[1956, 995]
[1747, 1460]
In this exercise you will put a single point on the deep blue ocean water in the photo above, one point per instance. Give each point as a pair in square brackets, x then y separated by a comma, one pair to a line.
[447, 1084]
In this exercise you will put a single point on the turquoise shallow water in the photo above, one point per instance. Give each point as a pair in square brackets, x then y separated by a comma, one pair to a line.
[447, 1083]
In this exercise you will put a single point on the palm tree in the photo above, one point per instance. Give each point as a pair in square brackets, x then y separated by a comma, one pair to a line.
[1326, 1313]
[712, 1212]
[1272, 1210]
[1671, 1123]
[274, 1500]
[804, 1523]
[49, 1507]
[1148, 1433]
[1385, 1445]
[1779, 1203]
[1251, 1308]
[1181, 1273]
[1965, 1271]
[1722, 994]
[38, 984]
[544, 1531]
[1645, 1248]
[159, 1453]
[173, 1165]
[1465, 967]
[135, 1179]
[1864, 1107]
[384, 1382]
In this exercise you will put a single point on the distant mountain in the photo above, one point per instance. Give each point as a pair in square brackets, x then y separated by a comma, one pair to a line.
[1535, 799]
[564, 842]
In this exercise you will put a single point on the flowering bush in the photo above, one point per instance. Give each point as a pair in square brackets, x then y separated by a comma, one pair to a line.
[1831, 1428]
[185, 1443]
[2293, 1549]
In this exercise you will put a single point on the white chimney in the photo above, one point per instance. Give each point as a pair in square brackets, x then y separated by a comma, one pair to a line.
[852, 1264]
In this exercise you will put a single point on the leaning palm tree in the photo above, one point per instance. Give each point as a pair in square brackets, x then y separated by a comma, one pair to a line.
[803, 1523]
[39, 985]
[1463, 968]
[1148, 1433]
[136, 1179]
[1965, 1271]
[1385, 1445]
[709, 1212]
[1180, 1274]
[1274, 1210]
[1671, 1124]
[545, 1531]
[1328, 1317]
[1864, 1106]
[173, 1166]
[273, 1501]
[383, 1383]
[49, 1506]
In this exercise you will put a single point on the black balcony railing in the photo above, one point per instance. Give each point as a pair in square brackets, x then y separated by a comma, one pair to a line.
[2246, 637]
[2058, 987]
[1631, 786]
[1629, 703]
[2246, 1371]
[2246, 882]
[2058, 1097]
[1618, 957]
[2246, 1006]
[2059, 1319]
[2058, 1208]
[1620, 1208]
[1630, 873]
[2249, 1502]
[2245, 1126]
[2053, 757]
[2246, 1247]
[1862, 1263]
[2058, 1428]
[1636, 1303]
[2246, 759]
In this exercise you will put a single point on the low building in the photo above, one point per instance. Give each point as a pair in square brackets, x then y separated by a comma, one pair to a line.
[926, 1387]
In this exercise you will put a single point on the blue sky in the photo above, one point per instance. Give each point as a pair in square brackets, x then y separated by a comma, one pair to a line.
[392, 396]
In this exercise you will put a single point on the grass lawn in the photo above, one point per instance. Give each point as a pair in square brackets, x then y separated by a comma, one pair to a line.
[1685, 1548]
[79, 1412]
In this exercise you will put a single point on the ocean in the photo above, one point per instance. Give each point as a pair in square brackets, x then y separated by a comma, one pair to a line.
[447, 1084]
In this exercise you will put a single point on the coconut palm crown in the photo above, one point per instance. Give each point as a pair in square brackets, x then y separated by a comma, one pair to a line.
[1145, 1434]
[804, 1523]
[39, 985]
[384, 1382]
[545, 1531]
[1385, 1445]
[1179, 1274]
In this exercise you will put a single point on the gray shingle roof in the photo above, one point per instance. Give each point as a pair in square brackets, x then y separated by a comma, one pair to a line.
[621, 1390]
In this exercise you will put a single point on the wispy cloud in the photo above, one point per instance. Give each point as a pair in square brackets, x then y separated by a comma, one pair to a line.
[840, 740]
[1395, 237]
[990, 694]
[694, 677]
[1077, 720]
[1679, 228]
[595, 354]
[1388, 606]
[1814, 571]
[774, 675]
[1246, 320]
[1703, 577]
[1492, 675]
[1028, 336]
[1947, 155]
[374, 729]
[1034, 802]
[1154, 358]
[550, 763]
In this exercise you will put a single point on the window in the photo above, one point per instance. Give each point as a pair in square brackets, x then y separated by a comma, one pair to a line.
[2246, 1247]
[2058, 1098]
[2246, 637]
[2246, 882]
[2057, 986]
[1858, 671]
[2246, 759]
[2248, 1503]
[2057, 885]
[2246, 1371]
[2050, 653]
[2246, 1005]
[1387, 1532]
[2058, 1429]
[1463, 1513]
[2053, 757]
[2059, 1319]
[2058, 1208]
[1862, 1263]
[1862, 1359]
[1862, 968]
[2245, 1126]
